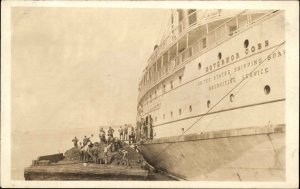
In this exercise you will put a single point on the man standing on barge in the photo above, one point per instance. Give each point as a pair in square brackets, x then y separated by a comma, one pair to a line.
[75, 140]
[125, 132]
[110, 132]
[102, 135]
[121, 133]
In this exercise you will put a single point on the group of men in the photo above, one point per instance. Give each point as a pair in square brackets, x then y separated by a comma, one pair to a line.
[100, 152]
[127, 133]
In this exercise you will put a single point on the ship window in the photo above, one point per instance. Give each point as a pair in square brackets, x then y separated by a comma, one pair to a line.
[256, 16]
[171, 114]
[231, 97]
[267, 89]
[208, 103]
[191, 108]
[220, 56]
[164, 116]
[180, 78]
[232, 27]
[179, 111]
[192, 16]
[155, 94]
[199, 66]
[164, 88]
[190, 52]
[204, 42]
[180, 15]
[171, 83]
[246, 43]
[243, 21]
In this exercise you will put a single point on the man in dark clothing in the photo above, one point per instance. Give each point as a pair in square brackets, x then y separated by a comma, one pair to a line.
[89, 152]
[102, 135]
[121, 132]
[125, 157]
[75, 140]
[130, 134]
[110, 132]
[125, 132]
[145, 128]
[85, 141]
[118, 143]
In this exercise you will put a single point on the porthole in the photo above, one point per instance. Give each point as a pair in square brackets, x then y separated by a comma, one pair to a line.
[220, 56]
[179, 111]
[246, 43]
[231, 97]
[208, 103]
[191, 108]
[199, 66]
[267, 89]
[180, 78]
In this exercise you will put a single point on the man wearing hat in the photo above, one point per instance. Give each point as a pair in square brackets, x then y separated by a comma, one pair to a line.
[110, 132]
[102, 135]
[85, 141]
[75, 140]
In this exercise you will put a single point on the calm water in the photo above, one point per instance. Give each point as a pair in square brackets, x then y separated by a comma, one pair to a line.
[27, 146]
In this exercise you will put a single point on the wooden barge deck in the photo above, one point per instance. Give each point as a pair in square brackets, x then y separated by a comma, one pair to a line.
[74, 170]
[68, 167]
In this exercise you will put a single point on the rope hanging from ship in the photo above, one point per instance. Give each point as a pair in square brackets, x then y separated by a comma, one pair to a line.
[244, 80]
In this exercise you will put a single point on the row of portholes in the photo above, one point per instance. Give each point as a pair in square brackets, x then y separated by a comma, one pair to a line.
[246, 44]
[219, 56]
[267, 91]
[171, 84]
[180, 111]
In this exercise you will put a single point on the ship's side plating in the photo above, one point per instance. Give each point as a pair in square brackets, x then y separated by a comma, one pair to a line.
[227, 102]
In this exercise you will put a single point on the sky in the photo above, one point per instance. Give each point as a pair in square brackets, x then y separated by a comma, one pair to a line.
[79, 67]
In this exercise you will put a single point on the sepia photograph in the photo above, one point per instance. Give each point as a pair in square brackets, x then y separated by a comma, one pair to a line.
[145, 92]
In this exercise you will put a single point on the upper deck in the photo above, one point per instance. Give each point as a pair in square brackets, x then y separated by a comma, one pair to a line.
[190, 33]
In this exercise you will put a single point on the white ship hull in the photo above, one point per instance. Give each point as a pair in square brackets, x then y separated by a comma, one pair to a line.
[243, 90]
[222, 158]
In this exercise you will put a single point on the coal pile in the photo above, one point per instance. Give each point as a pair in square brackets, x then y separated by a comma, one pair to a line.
[133, 155]
[114, 155]
[72, 154]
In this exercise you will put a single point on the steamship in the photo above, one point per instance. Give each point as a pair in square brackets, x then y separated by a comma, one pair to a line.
[211, 102]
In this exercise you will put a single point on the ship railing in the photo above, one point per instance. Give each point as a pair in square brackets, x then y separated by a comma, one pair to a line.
[194, 19]
[219, 34]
